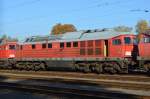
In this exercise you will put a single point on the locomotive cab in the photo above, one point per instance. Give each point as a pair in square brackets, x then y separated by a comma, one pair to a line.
[8, 50]
[11, 50]
[130, 46]
[7, 53]
[123, 46]
[144, 52]
[144, 46]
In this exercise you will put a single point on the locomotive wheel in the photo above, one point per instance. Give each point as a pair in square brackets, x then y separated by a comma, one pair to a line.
[86, 68]
[83, 67]
[113, 71]
[98, 68]
[42, 66]
[36, 68]
[28, 68]
[116, 68]
[17, 66]
[77, 68]
[109, 69]
[147, 67]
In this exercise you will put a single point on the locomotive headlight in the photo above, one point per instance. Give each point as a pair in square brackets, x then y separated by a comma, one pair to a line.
[128, 53]
[11, 56]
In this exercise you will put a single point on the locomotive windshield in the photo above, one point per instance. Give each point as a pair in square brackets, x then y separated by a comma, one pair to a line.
[127, 40]
[116, 42]
[12, 47]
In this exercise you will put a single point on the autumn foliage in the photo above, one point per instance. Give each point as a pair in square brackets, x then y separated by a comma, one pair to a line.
[142, 27]
[63, 28]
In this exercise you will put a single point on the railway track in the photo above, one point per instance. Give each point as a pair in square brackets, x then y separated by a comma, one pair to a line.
[128, 77]
[103, 85]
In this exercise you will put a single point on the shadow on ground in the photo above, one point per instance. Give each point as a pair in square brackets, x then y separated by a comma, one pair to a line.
[7, 93]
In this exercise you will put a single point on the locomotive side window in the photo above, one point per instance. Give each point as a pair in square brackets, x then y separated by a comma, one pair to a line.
[82, 44]
[97, 51]
[68, 44]
[82, 51]
[49, 45]
[75, 44]
[12, 47]
[146, 40]
[61, 45]
[44, 45]
[127, 40]
[90, 51]
[90, 43]
[116, 42]
[33, 46]
[21, 47]
[98, 43]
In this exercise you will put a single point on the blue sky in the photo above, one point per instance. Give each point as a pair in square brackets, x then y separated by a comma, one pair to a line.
[23, 18]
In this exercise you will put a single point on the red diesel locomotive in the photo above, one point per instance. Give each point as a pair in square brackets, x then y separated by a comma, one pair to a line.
[98, 51]
[144, 52]
[7, 51]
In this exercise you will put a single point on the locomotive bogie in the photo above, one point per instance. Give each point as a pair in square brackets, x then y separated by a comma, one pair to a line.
[30, 65]
[144, 64]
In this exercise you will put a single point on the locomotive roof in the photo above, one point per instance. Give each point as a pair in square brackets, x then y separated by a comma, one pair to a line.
[106, 34]
[78, 36]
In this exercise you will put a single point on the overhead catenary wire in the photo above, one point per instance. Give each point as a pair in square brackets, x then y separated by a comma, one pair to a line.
[140, 10]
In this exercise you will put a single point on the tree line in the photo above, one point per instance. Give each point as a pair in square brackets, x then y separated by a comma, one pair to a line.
[5, 37]
[141, 27]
